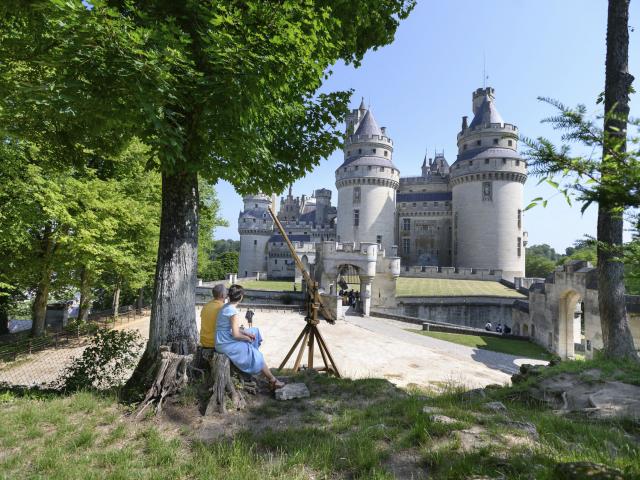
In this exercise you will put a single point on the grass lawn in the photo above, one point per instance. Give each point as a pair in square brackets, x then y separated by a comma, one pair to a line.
[437, 287]
[363, 429]
[275, 285]
[495, 344]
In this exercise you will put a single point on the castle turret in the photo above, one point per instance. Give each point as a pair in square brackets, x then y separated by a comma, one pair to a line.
[323, 204]
[367, 182]
[487, 186]
[255, 227]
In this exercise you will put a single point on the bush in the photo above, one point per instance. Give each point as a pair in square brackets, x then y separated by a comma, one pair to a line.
[105, 362]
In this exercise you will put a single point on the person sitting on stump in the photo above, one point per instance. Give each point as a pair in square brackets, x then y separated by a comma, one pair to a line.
[240, 344]
[209, 316]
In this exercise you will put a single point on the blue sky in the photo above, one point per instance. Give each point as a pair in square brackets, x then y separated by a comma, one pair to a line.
[420, 86]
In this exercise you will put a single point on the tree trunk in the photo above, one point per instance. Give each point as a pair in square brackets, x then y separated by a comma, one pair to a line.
[85, 295]
[44, 282]
[617, 339]
[115, 304]
[4, 315]
[173, 318]
[140, 301]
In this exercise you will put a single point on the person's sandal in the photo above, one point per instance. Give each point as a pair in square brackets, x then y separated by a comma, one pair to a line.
[276, 384]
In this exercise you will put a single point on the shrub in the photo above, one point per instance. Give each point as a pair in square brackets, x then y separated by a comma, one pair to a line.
[105, 362]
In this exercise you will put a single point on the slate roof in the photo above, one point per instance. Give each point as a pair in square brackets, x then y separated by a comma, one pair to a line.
[308, 216]
[368, 125]
[423, 197]
[488, 152]
[293, 238]
[255, 213]
[487, 113]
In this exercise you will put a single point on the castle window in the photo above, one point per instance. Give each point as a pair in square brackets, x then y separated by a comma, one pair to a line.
[378, 239]
[254, 220]
[359, 150]
[424, 204]
[382, 169]
[478, 142]
[446, 204]
[348, 153]
[356, 167]
[370, 167]
[495, 141]
[255, 242]
[486, 161]
[470, 163]
[374, 150]
[275, 262]
[519, 219]
[487, 191]
[519, 246]
[385, 153]
[435, 204]
[413, 204]
[510, 143]
[356, 195]
[345, 169]
[406, 244]
[464, 147]
[356, 218]
[406, 224]
[256, 205]
[517, 163]
[504, 160]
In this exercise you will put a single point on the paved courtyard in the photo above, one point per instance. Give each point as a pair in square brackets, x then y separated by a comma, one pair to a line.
[361, 347]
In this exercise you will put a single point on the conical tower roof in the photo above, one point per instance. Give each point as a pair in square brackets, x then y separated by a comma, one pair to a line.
[368, 125]
[487, 113]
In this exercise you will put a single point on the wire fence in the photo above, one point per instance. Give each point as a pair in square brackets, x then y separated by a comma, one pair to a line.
[39, 362]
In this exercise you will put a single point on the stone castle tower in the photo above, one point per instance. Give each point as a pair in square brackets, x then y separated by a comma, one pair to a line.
[367, 182]
[255, 227]
[487, 183]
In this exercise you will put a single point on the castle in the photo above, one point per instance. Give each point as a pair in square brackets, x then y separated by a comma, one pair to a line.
[467, 215]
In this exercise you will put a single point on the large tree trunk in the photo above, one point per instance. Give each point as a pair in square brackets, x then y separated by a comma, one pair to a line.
[173, 318]
[617, 339]
[44, 282]
[85, 295]
[115, 303]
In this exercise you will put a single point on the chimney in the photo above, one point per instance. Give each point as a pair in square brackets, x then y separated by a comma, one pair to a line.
[465, 125]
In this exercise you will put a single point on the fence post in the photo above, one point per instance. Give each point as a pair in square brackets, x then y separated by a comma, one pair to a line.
[55, 340]
[30, 346]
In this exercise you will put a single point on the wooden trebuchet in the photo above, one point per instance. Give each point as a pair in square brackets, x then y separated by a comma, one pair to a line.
[171, 377]
[222, 385]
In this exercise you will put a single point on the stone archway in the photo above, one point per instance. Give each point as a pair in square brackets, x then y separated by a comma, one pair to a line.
[569, 327]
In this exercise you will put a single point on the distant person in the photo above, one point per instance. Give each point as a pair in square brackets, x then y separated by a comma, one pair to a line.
[507, 330]
[499, 328]
[241, 344]
[209, 316]
[488, 326]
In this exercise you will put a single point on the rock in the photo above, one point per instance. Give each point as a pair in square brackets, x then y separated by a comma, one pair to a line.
[582, 470]
[428, 409]
[495, 406]
[291, 391]
[518, 378]
[493, 386]
[527, 427]
[475, 393]
[443, 419]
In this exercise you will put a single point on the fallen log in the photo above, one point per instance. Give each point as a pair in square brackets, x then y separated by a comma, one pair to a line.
[171, 377]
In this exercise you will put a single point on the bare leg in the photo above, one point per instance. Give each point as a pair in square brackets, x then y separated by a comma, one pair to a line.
[273, 380]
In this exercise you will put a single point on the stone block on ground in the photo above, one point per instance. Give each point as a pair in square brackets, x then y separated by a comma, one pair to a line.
[443, 419]
[583, 470]
[495, 406]
[291, 391]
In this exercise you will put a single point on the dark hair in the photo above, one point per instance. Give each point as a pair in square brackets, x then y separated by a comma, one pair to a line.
[235, 293]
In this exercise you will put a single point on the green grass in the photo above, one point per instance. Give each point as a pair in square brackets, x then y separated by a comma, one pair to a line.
[363, 429]
[274, 285]
[495, 344]
[437, 287]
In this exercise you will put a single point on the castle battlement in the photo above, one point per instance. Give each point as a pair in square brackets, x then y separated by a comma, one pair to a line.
[352, 139]
[503, 127]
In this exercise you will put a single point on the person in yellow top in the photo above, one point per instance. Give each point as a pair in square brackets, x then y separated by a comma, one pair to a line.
[209, 316]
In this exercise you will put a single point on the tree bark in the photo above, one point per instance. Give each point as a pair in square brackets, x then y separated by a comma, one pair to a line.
[140, 301]
[44, 282]
[617, 339]
[173, 320]
[85, 295]
[115, 304]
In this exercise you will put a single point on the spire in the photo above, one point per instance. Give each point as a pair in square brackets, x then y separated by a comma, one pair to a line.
[368, 125]
[424, 162]
[362, 107]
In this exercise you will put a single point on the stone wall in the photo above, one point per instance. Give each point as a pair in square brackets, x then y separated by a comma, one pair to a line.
[453, 273]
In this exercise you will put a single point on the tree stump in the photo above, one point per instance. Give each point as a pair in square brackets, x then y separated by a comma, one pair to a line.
[171, 377]
[222, 386]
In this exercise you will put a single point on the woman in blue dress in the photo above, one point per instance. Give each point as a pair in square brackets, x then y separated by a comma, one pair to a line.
[241, 344]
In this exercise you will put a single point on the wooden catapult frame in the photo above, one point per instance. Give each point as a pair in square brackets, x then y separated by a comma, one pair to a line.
[310, 334]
